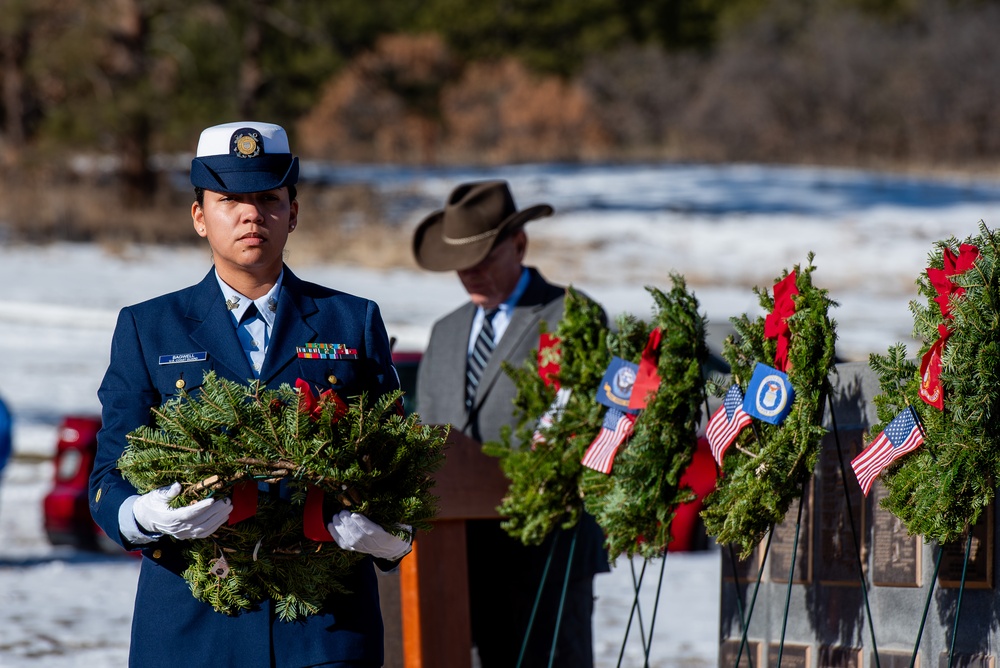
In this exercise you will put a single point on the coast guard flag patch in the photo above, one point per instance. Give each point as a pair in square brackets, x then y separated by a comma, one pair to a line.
[726, 423]
[899, 437]
[769, 395]
[616, 428]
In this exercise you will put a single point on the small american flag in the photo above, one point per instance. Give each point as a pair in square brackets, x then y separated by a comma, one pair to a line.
[726, 423]
[551, 416]
[900, 436]
[616, 428]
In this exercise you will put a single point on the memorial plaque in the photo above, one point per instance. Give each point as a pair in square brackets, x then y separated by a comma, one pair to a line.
[792, 656]
[744, 570]
[836, 543]
[750, 658]
[894, 659]
[979, 574]
[966, 661]
[895, 555]
[780, 558]
[839, 657]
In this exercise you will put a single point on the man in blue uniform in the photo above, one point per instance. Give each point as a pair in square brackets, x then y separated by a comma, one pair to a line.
[244, 320]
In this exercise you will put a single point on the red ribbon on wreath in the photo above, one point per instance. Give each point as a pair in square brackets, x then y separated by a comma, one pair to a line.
[244, 501]
[309, 403]
[931, 389]
[954, 265]
[549, 359]
[776, 322]
[313, 518]
[647, 378]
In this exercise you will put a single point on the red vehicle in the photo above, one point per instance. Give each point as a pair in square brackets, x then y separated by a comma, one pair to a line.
[67, 514]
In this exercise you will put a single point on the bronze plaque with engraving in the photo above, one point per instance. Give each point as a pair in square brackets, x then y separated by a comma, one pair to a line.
[979, 574]
[784, 540]
[895, 555]
[966, 661]
[894, 659]
[839, 657]
[792, 656]
[742, 570]
[836, 543]
[749, 658]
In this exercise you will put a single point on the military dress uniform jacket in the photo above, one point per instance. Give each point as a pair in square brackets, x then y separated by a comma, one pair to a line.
[170, 627]
[441, 400]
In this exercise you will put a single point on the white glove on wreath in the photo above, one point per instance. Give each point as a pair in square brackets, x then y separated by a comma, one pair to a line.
[357, 533]
[153, 513]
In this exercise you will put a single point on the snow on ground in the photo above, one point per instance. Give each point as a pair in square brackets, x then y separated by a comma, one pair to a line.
[617, 228]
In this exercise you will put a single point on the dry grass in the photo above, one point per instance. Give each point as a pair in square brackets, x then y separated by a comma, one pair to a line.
[342, 224]
[347, 225]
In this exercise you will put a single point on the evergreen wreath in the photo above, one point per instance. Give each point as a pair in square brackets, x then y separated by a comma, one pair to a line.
[366, 458]
[940, 489]
[636, 503]
[549, 485]
[769, 465]
[544, 473]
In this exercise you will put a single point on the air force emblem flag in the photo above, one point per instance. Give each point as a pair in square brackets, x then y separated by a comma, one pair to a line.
[616, 386]
[769, 395]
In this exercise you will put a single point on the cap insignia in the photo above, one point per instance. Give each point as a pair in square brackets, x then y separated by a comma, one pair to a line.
[247, 145]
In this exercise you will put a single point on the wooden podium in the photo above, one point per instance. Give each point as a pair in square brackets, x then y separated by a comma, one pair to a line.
[433, 591]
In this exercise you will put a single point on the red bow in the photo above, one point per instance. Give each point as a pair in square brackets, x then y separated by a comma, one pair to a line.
[647, 378]
[313, 518]
[931, 388]
[244, 501]
[775, 324]
[954, 265]
[313, 406]
[549, 359]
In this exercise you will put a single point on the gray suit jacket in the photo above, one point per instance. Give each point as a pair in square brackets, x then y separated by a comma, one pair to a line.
[441, 376]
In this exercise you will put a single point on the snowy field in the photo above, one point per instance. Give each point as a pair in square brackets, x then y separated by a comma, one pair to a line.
[616, 229]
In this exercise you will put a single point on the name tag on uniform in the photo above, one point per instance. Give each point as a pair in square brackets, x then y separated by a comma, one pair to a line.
[326, 351]
[182, 358]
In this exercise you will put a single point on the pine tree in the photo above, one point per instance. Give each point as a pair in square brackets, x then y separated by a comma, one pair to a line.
[365, 457]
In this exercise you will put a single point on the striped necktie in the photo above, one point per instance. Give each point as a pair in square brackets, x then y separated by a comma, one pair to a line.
[480, 356]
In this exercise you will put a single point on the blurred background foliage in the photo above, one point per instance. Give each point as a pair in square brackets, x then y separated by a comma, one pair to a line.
[111, 94]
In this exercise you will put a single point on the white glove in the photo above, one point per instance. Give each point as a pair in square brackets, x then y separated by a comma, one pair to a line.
[357, 533]
[153, 513]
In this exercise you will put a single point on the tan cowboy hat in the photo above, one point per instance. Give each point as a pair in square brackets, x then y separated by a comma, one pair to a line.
[464, 232]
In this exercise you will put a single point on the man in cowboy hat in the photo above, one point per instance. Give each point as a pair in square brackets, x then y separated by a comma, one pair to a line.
[479, 234]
